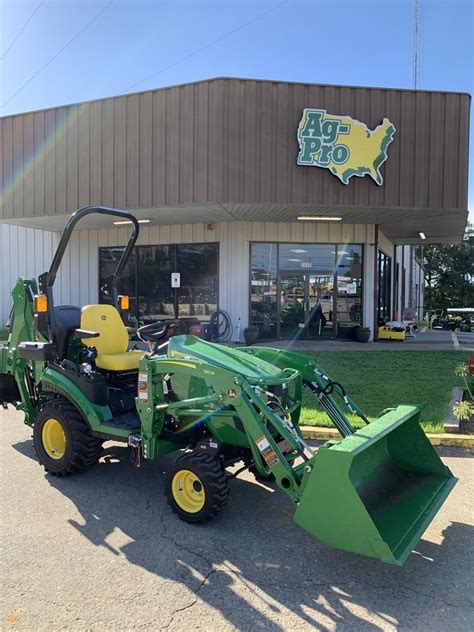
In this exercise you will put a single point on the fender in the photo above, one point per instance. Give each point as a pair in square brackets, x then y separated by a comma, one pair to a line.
[93, 414]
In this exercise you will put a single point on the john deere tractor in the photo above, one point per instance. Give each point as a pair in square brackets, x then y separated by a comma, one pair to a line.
[79, 382]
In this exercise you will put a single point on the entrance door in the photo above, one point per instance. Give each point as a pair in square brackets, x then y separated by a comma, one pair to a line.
[305, 305]
[293, 299]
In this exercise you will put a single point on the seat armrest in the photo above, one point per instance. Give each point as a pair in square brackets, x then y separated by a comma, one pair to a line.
[84, 333]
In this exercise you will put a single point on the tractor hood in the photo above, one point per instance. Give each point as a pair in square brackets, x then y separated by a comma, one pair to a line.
[228, 358]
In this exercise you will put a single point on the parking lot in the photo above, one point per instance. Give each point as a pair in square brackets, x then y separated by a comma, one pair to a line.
[102, 551]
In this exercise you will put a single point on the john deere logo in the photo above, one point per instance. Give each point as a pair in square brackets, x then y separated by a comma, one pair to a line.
[343, 145]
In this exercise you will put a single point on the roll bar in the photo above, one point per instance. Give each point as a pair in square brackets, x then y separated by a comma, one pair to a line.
[48, 278]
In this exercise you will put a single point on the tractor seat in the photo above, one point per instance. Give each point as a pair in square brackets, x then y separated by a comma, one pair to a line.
[112, 342]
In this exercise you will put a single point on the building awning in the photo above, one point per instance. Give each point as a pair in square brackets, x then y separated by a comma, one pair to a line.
[400, 225]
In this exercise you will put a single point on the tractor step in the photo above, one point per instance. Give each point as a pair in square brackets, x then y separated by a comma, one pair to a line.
[128, 421]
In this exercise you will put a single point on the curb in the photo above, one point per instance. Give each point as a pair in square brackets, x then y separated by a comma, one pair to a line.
[443, 439]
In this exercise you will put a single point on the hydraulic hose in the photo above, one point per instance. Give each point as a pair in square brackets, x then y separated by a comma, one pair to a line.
[221, 326]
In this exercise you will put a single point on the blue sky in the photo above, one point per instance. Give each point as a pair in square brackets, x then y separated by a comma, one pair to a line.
[356, 42]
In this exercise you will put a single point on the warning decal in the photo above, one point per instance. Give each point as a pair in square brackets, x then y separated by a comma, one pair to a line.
[267, 451]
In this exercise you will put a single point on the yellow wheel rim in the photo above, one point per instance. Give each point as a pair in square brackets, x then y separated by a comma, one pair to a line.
[54, 439]
[188, 491]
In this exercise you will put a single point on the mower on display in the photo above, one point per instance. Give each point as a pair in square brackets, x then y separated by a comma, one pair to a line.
[72, 373]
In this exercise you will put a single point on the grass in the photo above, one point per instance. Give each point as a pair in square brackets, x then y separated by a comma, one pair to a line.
[378, 380]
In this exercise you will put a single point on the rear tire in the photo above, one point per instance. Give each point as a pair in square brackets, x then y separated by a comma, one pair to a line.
[196, 487]
[63, 441]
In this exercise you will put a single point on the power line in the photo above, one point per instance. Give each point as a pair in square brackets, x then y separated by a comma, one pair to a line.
[203, 48]
[22, 28]
[57, 54]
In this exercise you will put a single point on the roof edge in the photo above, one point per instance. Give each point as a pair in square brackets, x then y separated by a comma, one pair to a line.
[223, 78]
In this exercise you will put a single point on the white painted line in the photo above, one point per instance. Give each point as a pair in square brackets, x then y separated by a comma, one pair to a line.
[455, 341]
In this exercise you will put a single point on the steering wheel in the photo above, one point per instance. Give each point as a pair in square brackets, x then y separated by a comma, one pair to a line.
[153, 332]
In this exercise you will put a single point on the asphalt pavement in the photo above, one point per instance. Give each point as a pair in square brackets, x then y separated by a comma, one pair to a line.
[102, 551]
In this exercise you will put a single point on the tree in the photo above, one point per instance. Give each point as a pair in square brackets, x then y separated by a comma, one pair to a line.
[449, 273]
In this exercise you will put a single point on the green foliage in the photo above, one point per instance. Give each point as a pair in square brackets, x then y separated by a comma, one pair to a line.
[449, 273]
[462, 370]
[378, 380]
[463, 410]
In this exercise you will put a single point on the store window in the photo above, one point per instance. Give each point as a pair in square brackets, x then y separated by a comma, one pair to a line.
[147, 280]
[263, 289]
[384, 282]
[198, 265]
[293, 286]
[108, 261]
[349, 285]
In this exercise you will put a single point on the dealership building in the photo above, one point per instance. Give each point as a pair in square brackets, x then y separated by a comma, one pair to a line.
[296, 208]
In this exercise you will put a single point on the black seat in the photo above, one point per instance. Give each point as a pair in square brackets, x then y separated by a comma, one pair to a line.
[67, 318]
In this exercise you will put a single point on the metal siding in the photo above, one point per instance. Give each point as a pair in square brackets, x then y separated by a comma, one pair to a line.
[186, 143]
[28, 149]
[120, 151]
[228, 140]
[200, 141]
[49, 162]
[83, 176]
[159, 148]
[7, 160]
[60, 139]
[72, 147]
[451, 149]
[108, 148]
[78, 277]
[146, 153]
[38, 203]
[133, 150]
[18, 166]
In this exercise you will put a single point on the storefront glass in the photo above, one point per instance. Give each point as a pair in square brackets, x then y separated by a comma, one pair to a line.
[147, 280]
[384, 283]
[263, 289]
[293, 287]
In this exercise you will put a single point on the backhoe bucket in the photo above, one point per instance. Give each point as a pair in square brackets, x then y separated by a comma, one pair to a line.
[376, 491]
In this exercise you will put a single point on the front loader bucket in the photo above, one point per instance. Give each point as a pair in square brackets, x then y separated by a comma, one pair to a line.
[376, 491]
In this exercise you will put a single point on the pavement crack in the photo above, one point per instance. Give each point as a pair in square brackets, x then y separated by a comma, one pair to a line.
[167, 536]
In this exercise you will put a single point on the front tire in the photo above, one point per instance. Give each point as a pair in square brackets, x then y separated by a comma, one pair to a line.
[63, 441]
[196, 487]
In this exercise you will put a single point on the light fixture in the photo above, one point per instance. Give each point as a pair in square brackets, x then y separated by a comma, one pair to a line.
[319, 218]
[122, 222]
[422, 234]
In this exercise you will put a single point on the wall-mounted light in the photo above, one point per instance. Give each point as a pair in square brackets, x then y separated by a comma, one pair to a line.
[319, 218]
[122, 222]
[422, 235]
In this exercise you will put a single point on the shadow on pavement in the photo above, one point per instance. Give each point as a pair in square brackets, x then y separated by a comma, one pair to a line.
[254, 559]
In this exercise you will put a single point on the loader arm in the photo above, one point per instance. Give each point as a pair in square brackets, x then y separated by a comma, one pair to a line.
[316, 380]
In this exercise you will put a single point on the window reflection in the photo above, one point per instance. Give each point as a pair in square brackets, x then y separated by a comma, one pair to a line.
[155, 295]
[349, 285]
[108, 261]
[263, 289]
[292, 289]
[198, 293]
[147, 280]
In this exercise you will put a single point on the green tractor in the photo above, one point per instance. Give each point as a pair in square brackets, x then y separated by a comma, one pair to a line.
[73, 374]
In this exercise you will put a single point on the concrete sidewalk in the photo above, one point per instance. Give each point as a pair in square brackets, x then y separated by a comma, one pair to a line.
[430, 340]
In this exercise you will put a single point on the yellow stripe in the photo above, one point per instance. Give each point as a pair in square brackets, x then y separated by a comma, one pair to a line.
[180, 363]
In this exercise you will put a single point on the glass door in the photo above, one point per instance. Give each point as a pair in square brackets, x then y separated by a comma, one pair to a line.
[293, 298]
[320, 292]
